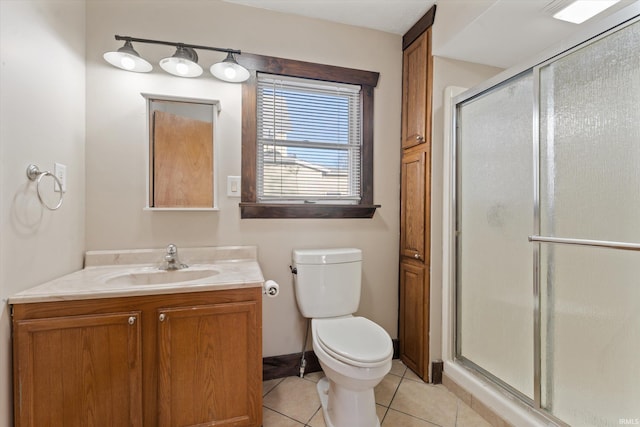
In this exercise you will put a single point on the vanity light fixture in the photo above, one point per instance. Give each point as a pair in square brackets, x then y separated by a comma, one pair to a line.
[183, 63]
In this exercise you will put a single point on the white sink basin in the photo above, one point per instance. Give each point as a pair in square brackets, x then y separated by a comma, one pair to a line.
[159, 277]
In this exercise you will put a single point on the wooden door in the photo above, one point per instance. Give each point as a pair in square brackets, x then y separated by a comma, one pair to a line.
[414, 214]
[210, 366]
[414, 321]
[182, 161]
[416, 92]
[78, 371]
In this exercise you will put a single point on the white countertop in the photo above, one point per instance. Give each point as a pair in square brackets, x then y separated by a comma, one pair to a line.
[234, 266]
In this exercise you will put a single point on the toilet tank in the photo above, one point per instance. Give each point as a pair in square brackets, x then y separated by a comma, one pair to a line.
[327, 283]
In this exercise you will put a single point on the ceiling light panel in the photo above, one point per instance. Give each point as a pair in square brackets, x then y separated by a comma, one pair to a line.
[580, 11]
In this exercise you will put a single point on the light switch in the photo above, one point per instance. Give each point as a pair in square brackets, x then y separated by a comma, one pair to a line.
[233, 186]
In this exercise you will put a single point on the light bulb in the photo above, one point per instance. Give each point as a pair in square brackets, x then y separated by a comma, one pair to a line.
[230, 73]
[182, 68]
[127, 63]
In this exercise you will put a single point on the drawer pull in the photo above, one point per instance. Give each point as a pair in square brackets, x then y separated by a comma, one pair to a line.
[162, 317]
[132, 320]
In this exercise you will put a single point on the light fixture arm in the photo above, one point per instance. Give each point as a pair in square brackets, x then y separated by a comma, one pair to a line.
[192, 46]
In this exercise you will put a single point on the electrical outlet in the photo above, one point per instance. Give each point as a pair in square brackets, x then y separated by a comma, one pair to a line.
[60, 171]
[233, 186]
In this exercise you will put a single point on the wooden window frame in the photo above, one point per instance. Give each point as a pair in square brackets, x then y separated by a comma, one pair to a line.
[249, 206]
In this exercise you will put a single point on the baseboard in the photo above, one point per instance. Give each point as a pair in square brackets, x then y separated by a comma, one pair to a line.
[288, 365]
[437, 366]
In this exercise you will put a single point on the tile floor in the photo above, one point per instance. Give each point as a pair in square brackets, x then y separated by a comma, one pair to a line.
[402, 398]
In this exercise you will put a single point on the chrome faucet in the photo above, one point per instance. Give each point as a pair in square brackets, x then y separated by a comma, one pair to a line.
[171, 260]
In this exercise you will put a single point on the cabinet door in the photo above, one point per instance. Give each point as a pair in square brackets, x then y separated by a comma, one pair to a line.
[210, 366]
[416, 92]
[78, 371]
[414, 303]
[414, 217]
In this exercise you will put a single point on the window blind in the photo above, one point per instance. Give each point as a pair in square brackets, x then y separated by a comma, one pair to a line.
[309, 141]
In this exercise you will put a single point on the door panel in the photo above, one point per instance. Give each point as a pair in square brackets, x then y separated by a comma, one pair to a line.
[414, 300]
[495, 216]
[87, 368]
[416, 105]
[208, 365]
[590, 181]
[414, 217]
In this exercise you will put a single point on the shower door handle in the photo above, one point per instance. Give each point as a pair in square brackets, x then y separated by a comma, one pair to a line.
[585, 242]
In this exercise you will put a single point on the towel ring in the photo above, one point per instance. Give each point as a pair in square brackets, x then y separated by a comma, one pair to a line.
[34, 174]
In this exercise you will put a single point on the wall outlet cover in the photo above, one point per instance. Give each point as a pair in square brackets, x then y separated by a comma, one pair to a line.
[60, 171]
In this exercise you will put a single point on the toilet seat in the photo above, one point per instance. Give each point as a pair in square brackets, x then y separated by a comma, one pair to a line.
[356, 341]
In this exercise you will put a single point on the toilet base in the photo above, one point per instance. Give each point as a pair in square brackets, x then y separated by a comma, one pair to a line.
[347, 408]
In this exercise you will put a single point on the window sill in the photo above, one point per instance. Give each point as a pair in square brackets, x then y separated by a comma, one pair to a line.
[273, 210]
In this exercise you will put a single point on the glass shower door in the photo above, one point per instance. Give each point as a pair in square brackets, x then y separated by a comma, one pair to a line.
[590, 195]
[494, 259]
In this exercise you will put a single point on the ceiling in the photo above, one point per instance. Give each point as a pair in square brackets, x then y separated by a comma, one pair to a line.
[501, 33]
[391, 16]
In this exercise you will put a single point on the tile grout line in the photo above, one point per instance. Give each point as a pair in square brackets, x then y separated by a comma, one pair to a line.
[417, 418]
[394, 395]
[410, 415]
[313, 415]
[396, 391]
[286, 416]
[272, 388]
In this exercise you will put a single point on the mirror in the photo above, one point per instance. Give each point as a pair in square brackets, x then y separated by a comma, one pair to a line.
[181, 156]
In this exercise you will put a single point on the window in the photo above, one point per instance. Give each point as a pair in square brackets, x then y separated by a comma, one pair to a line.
[307, 140]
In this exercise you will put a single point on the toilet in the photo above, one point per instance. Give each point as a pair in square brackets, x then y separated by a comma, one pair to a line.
[354, 352]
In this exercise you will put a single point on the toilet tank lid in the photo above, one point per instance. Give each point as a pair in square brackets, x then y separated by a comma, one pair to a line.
[326, 256]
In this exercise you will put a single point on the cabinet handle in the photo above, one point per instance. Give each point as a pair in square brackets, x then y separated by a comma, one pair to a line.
[419, 138]
[416, 256]
[132, 320]
[162, 317]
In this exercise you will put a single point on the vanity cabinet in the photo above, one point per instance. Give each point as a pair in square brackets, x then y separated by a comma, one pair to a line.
[185, 359]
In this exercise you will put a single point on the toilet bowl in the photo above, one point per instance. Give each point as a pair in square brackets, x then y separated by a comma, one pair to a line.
[354, 352]
[355, 355]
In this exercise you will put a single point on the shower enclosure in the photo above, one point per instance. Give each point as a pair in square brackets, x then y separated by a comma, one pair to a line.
[547, 232]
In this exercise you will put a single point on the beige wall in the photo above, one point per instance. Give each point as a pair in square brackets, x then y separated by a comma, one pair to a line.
[42, 112]
[116, 144]
[41, 121]
[446, 72]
